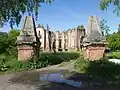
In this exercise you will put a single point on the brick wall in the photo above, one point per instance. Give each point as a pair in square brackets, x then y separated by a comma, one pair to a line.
[25, 52]
[94, 52]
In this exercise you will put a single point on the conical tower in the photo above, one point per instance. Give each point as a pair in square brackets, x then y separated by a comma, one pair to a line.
[27, 41]
[94, 43]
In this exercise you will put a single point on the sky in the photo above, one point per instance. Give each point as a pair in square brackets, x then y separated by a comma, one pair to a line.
[64, 14]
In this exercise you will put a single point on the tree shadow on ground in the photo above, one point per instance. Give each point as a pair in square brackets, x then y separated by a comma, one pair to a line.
[106, 70]
[32, 79]
[102, 72]
[98, 75]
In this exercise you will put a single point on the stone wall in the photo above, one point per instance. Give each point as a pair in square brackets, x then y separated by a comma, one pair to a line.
[69, 40]
[57, 40]
[63, 40]
[41, 31]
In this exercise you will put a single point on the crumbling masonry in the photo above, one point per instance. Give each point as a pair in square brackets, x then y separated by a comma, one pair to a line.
[91, 41]
[64, 41]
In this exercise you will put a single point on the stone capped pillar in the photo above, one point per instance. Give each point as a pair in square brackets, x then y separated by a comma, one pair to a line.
[41, 32]
[27, 41]
[69, 39]
[76, 39]
[93, 43]
[72, 41]
[63, 40]
[66, 41]
[47, 40]
[80, 35]
[53, 41]
[57, 40]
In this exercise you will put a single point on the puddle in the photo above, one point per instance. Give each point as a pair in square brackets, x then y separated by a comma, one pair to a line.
[44, 77]
[59, 78]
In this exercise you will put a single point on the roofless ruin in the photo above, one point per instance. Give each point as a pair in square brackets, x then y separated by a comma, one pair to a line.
[90, 41]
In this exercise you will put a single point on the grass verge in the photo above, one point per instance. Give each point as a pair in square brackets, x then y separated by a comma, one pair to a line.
[11, 64]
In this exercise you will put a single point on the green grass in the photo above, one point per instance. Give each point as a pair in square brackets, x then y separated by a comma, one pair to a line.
[102, 68]
[113, 55]
[81, 65]
[11, 64]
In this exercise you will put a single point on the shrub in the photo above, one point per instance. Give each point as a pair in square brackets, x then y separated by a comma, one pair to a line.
[11, 64]
[115, 55]
[102, 68]
[114, 41]
[81, 65]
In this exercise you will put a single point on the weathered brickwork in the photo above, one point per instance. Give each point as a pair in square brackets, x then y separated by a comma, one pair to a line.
[94, 52]
[25, 52]
[28, 40]
[69, 40]
[94, 42]
[90, 41]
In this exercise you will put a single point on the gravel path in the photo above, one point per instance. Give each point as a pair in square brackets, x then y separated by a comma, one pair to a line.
[30, 80]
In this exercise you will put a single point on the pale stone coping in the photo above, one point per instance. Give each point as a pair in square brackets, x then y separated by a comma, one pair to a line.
[95, 43]
[28, 43]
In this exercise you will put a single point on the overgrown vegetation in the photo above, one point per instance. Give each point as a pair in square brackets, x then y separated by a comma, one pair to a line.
[11, 64]
[115, 55]
[114, 41]
[8, 42]
[8, 55]
[12, 11]
[103, 69]
[104, 27]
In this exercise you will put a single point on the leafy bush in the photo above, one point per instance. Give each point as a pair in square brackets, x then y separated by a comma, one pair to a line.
[7, 42]
[102, 68]
[114, 41]
[8, 55]
[115, 55]
[11, 64]
[81, 65]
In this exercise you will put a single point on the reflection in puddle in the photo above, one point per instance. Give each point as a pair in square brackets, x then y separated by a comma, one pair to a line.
[59, 78]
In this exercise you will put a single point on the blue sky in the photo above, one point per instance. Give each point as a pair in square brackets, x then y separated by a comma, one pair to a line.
[64, 14]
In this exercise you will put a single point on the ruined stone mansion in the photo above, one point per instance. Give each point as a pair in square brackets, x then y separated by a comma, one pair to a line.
[31, 40]
[60, 41]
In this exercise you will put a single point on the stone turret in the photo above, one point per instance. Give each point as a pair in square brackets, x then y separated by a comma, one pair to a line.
[94, 33]
[27, 41]
[94, 43]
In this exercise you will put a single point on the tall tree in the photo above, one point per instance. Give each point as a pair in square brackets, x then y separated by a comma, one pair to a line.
[104, 27]
[119, 28]
[3, 42]
[12, 10]
[49, 37]
[114, 41]
[104, 4]
[7, 41]
[12, 37]
[13, 34]
[80, 27]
